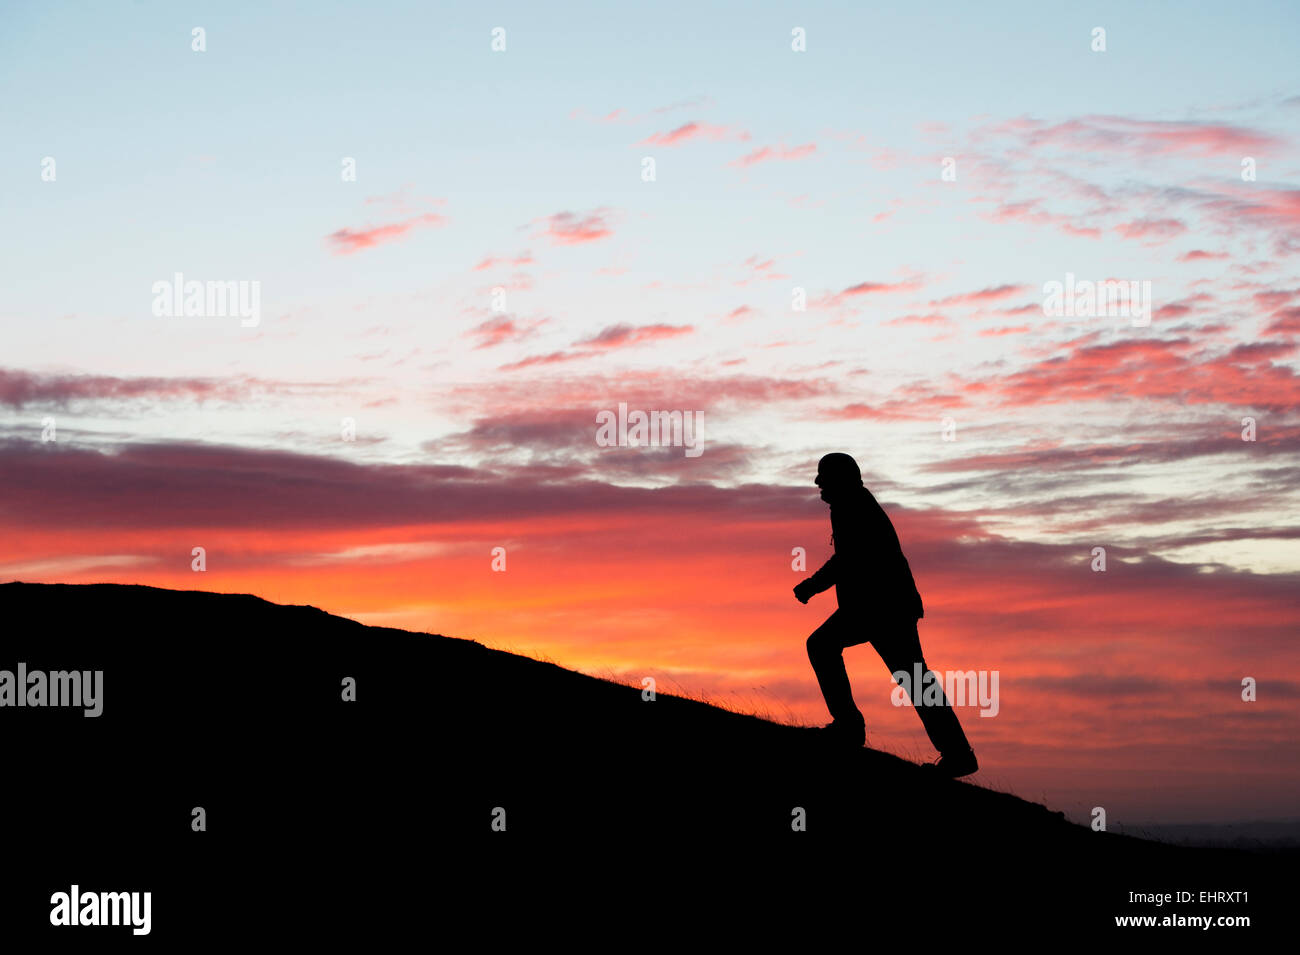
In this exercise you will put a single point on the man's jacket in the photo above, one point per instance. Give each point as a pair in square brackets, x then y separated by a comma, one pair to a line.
[868, 568]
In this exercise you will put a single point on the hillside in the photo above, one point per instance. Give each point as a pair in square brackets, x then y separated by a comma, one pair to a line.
[234, 704]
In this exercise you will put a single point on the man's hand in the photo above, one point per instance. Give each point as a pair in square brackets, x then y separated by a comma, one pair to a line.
[803, 591]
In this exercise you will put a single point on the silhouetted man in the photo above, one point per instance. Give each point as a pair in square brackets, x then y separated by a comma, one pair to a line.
[879, 604]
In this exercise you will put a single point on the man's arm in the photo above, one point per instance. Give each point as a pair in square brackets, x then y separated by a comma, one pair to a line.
[824, 579]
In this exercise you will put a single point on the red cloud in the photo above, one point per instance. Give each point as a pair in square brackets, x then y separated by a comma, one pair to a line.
[347, 241]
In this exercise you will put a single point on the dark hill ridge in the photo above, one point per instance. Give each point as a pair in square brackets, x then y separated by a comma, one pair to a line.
[252, 684]
[235, 704]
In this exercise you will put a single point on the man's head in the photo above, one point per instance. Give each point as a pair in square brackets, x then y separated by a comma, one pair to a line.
[837, 473]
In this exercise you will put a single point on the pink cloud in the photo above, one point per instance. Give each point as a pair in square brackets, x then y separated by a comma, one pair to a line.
[761, 270]
[991, 294]
[1029, 211]
[775, 153]
[567, 228]
[693, 131]
[1096, 134]
[934, 318]
[1275, 298]
[18, 389]
[1286, 321]
[691, 388]
[1158, 229]
[348, 241]
[553, 358]
[502, 329]
[614, 336]
[619, 336]
[857, 411]
[523, 258]
[1240, 205]
[871, 288]
[1175, 370]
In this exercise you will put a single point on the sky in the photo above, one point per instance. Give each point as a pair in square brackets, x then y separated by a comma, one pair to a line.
[473, 228]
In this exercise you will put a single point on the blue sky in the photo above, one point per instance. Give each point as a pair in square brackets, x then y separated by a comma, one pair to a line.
[246, 137]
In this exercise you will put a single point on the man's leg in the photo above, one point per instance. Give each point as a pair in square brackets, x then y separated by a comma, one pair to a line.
[900, 648]
[826, 653]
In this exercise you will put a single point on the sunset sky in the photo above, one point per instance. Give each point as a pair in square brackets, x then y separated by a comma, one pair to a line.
[776, 171]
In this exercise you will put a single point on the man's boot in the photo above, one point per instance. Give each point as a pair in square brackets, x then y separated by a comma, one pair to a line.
[850, 734]
[958, 762]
